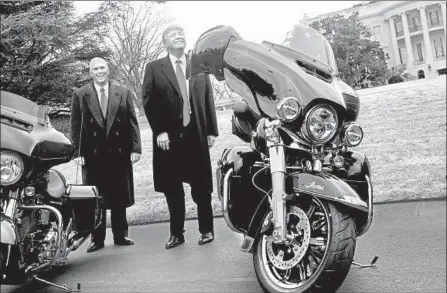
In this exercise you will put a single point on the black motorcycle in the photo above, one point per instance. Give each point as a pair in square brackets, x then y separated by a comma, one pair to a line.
[298, 193]
[42, 218]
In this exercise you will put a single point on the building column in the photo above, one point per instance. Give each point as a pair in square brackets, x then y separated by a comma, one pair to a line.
[394, 41]
[427, 43]
[410, 58]
[443, 15]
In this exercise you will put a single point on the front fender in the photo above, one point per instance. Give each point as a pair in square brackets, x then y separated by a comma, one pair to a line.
[328, 187]
[7, 231]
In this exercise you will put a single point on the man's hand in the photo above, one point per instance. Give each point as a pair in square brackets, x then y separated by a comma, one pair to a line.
[211, 140]
[79, 161]
[135, 157]
[163, 141]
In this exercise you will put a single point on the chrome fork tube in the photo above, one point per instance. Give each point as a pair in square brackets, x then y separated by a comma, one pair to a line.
[12, 203]
[278, 203]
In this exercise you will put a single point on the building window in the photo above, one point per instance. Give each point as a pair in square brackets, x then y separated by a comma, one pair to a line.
[439, 47]
[403, 55]
[434, 18]
[419, 51]
[399, 28]
[376, 33]
[416, 24]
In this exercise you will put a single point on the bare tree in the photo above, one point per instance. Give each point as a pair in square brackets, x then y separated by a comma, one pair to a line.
[221, 91]
[134, 37]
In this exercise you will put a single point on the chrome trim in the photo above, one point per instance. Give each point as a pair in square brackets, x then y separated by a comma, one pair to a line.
[281, 103]
[11, 205]
[330, 198]
[247, 243]
[278, 202]
[16, 156]
[59, 234]
[225, 197]
[345, 130]
[305, 127]
[369, 220]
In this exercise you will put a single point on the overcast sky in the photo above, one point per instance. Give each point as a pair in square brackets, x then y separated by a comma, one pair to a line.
[254, 20]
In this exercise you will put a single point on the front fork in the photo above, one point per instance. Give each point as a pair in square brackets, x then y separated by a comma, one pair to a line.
[278, 202]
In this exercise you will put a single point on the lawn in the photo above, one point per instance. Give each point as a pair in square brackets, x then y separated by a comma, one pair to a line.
[405, 140]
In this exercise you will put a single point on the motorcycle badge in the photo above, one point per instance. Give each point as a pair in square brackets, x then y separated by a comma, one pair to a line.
[313, 185]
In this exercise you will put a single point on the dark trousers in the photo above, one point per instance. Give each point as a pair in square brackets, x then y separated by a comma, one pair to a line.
[119, 225]
[186, 147]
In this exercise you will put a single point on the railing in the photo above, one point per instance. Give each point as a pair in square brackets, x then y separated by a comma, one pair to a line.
[399, 33]
[418, 62]
[435, 23]
[415, 29]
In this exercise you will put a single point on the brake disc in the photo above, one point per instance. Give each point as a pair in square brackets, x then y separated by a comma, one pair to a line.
[284, 256]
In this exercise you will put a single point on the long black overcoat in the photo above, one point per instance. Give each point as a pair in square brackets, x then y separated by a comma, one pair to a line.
[106, 144]
[163, 106]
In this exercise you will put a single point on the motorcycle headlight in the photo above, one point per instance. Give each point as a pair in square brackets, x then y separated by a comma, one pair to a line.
[321, 123]
[288, 109]
[353, 135]
[11, 168]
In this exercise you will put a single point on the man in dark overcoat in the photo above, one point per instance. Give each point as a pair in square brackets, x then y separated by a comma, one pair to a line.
[182, 117]
[106, 137]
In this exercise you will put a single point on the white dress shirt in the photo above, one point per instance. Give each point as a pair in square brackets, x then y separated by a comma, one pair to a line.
[183, 66]
[98, 91]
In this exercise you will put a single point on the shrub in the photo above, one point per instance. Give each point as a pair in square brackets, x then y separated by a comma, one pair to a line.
[395, 79]
[62, 124]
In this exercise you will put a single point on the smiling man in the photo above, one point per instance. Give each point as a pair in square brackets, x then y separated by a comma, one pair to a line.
[182, 117]
[106, 137]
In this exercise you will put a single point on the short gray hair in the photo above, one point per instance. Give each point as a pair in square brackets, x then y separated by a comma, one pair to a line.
[170, 28]
[97, 59]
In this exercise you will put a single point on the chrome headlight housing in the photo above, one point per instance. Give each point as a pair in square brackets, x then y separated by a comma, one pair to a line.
[321, 123]
[352, 135]
[12, 168]
[288, 109]
[56, 184]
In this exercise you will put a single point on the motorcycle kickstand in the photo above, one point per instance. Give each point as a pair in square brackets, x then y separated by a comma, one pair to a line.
[371, 265]
[63, 287]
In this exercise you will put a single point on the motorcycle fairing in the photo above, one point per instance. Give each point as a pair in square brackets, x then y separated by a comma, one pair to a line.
[260, 74]
[7, 231]
[329, 187]
[24, 129]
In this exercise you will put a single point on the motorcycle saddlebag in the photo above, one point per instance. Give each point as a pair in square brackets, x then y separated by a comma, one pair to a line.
[83, 203]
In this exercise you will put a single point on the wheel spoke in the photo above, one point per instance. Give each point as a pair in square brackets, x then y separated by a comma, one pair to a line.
[311, 211]
[318, 241]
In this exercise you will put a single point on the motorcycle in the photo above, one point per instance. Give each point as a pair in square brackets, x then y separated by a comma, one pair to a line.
[42, 218]
[298, 193]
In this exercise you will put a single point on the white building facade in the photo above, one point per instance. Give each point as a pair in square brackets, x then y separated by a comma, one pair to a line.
[413, 33]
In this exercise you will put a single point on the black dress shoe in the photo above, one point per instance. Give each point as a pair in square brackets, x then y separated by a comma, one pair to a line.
[174, 241]
[124, 241]
[95, 246]
[206, 238]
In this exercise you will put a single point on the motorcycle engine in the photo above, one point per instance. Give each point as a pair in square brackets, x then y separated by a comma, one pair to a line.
[39, 237]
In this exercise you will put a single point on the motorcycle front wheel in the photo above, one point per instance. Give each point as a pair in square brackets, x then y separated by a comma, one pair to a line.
[318, 258]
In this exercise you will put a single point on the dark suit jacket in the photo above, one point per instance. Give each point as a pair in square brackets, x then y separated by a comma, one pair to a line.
[163, 105]
[106, 144]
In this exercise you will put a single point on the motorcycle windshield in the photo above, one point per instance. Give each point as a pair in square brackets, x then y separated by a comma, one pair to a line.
[17, 107]
[312, 47]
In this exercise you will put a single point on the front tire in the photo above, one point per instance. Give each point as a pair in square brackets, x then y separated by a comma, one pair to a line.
[335, 261]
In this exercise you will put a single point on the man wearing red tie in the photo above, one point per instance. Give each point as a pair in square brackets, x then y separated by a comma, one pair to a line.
[182, 117]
